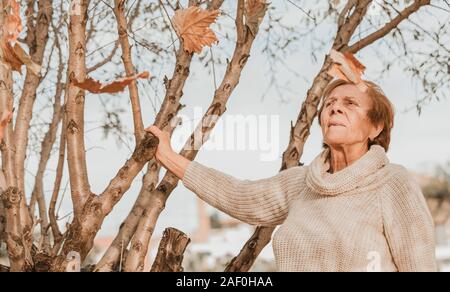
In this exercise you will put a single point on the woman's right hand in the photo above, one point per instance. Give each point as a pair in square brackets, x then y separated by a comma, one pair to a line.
[164, 148]
[165, 155]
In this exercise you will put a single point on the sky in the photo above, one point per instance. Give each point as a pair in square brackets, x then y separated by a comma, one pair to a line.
[418, 142]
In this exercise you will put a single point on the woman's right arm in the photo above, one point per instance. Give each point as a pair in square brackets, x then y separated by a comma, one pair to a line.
[257, 202]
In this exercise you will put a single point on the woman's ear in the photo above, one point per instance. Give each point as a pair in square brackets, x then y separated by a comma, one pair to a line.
[376, 131]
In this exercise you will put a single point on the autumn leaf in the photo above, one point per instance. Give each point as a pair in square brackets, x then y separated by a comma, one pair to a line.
[347, 67]
[254, 14]
[26, 60]
[4, 121]
[193, 27]
[17, 57]
[10, 57]
[12, 52]
[13, 24]
[116, 86]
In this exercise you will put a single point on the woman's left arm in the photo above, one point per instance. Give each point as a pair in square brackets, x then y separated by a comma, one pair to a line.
[408, 224]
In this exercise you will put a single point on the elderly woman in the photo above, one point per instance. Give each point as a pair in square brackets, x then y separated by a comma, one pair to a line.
[349, 210]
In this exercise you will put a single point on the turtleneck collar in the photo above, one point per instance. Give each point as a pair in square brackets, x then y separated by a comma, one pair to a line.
[359, 174]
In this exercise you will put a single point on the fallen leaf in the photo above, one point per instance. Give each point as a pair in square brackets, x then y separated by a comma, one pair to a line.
[17, 57]
[255, 10]
[4, 121]
[347, 67]
[193, 27]
[115, 86]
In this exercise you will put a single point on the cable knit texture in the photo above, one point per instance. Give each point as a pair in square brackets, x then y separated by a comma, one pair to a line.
[370, 216]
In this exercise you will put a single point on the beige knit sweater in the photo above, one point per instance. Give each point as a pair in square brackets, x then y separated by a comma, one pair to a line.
[370, 216]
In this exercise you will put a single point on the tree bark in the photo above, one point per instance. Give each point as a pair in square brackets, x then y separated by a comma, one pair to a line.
[119, 11]
[171, 251]
[74, 107]
[2, 220]
[252, 249]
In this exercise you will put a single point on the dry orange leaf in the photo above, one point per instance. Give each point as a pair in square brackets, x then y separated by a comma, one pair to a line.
[193, 27]
[347, 67]
[13, 24]
[255, 11]
[12, 52]
[4, 121]
[115, 86]
[10, 57]
[17, 57]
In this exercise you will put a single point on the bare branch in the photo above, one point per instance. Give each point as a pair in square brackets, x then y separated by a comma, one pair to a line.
[344, 13]
[388, 27]
[62, 144]
[251, 250]
[57, 236]
[351, 22]
[105, 60]
[119, 11]
[46, 148]
[240, 26]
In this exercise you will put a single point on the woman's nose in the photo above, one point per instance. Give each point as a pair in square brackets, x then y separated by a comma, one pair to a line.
[336, 108]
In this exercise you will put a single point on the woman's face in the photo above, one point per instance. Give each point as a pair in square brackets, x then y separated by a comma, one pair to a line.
[344, 119]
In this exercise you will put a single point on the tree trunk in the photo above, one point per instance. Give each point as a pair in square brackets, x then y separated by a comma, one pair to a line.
[171, 251]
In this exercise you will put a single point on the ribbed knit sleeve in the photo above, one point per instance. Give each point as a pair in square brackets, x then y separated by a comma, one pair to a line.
[408, 224]
[258, 202]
